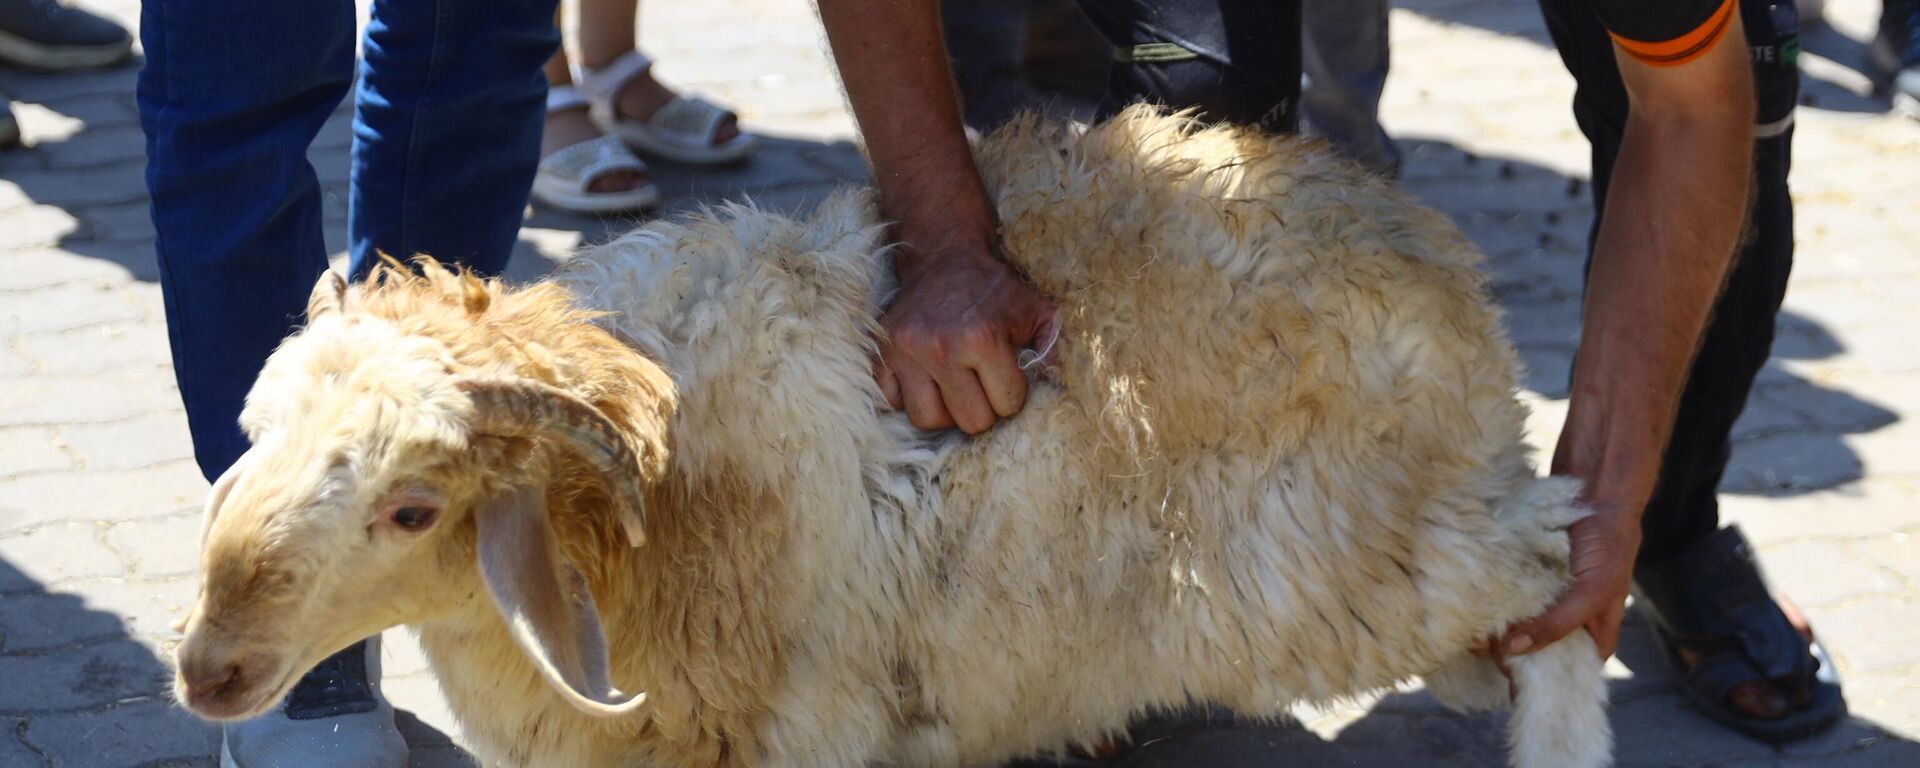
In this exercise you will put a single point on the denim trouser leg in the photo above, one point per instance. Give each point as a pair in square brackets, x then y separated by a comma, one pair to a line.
[445, 144]
[1344, 54]
[230, 97]
[446, 131]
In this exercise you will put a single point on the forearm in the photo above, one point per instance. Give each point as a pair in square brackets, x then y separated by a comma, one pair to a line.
[1672, 224]
[894, 67]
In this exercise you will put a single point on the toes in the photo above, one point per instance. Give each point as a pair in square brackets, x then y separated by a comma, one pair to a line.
[617, 181]
[728, 130]
[1760, 699]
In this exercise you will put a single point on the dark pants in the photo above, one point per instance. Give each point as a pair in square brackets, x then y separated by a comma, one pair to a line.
[1740, 335]
[446, 134]
[1238, 61]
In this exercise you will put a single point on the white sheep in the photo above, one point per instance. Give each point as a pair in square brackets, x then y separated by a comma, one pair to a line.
[1279, 460]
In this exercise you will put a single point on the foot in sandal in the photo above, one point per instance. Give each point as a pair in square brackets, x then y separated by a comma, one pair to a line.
[1746, 659]
[583, 171]
[629, 103]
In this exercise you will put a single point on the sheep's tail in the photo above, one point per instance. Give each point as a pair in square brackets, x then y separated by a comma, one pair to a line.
[1559, 693]
[1560, 707]
[1559, 700]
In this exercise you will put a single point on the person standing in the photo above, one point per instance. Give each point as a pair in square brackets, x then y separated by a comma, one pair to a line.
[1690, 128]
[446, 135]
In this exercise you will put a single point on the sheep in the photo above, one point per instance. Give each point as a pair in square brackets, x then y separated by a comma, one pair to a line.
[654, 511]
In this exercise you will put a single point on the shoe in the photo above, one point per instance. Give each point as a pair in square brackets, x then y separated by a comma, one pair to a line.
[1722, 631]
[9, 127]
[1894, 58]
[47, 34]
[334, 718]
[685, 130]
[565, 177]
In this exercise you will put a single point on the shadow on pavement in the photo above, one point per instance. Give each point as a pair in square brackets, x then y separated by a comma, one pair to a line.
[1654, 726]
[80, 686]
[1532, 223]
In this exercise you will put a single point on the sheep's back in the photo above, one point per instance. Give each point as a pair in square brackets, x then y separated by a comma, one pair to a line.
[1284, 419]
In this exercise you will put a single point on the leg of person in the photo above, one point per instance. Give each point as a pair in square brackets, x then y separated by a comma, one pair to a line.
[1738, 654]
[1345, 58]
[1894, 55]
[986, 39]
[230, 98]
[1235, 61]
[583, 170]
[628, 102]
[446, 133]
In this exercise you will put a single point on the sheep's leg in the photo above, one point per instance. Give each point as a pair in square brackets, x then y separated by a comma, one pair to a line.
[1560, 702]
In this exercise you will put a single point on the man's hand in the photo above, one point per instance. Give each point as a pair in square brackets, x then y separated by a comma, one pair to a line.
[1604, 544]
[952, 336]
[961, 316]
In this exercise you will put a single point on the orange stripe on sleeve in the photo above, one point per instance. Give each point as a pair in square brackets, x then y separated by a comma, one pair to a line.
[1682, 49]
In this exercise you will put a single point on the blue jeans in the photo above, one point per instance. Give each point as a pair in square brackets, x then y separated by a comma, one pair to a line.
[446, 136]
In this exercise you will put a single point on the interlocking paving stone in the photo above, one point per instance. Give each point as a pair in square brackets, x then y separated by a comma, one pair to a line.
[80, 678]
[37, 499]
[142, 441]
[145, 732]
[161, 546]
[31, 449]
[56, 553]
[132, 347]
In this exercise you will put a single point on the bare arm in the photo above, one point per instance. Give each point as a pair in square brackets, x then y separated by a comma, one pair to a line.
[961, 314]
[1673, 219]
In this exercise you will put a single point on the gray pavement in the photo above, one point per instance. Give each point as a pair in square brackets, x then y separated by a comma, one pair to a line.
[99, 496]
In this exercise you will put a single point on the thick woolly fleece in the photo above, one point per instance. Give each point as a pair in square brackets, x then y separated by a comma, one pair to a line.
[1279, 460]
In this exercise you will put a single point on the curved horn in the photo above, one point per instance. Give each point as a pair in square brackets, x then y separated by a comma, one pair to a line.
[522, 408]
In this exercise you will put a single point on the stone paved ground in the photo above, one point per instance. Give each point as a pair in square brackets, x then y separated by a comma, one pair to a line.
[98, 496]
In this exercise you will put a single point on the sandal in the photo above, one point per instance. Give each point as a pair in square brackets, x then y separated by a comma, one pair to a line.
[565, 177]
[1712, 601]
[682, 130]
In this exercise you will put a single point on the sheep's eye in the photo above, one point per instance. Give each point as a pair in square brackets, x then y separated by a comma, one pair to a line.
[413, 518]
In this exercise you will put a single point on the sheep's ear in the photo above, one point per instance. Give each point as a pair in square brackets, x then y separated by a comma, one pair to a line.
[329, 295]
[221, 487]
[545, 603]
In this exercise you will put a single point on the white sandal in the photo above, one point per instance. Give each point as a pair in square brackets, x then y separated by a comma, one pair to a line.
[565, 177]
[682, 130]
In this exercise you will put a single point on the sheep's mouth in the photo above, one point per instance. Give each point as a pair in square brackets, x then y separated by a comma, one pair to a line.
[240, 698]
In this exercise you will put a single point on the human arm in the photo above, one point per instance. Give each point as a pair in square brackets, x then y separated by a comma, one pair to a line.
[948, 355]
[1674, 214]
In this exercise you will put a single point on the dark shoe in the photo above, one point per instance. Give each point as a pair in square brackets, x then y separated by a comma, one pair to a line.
[1894, 59]
[334, 718]
[1712, 601]
[45, 34]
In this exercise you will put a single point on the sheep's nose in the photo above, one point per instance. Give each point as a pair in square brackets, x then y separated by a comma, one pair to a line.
[208, 681]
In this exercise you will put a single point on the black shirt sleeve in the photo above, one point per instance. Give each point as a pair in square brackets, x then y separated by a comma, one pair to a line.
[1665, 31]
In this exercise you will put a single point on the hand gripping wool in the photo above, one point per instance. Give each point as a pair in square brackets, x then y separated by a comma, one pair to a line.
[1278, 459]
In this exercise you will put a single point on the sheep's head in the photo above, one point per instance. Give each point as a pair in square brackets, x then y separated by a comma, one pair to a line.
[380, 473]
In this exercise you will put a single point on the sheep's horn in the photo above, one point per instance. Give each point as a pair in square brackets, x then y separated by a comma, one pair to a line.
[522, 408]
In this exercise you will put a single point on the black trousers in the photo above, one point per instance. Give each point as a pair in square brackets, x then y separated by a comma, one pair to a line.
[1239, 61]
